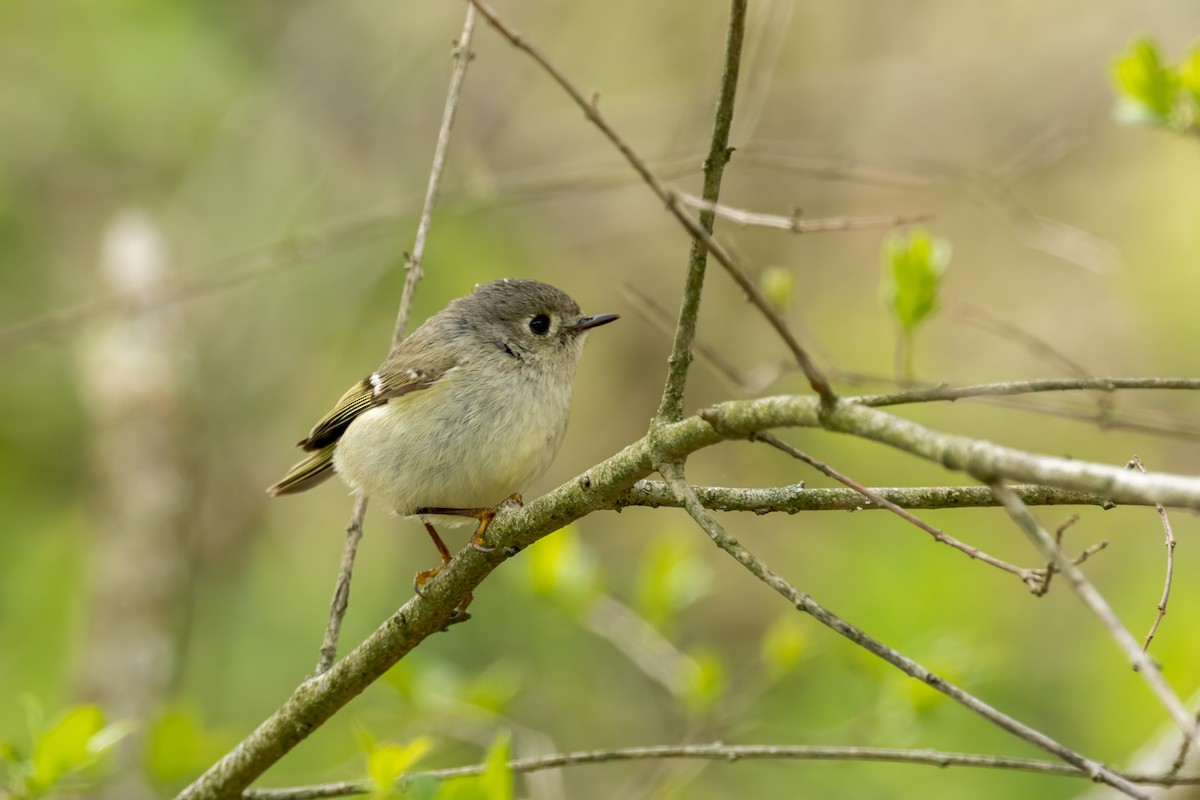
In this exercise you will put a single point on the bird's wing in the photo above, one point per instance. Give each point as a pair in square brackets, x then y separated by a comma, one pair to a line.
[398, 376]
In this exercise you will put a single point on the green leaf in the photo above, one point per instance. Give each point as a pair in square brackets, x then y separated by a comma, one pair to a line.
[422, 787]
[1145, 87]
[175, 746]
[670, 578]
[497, 777]
[387, 762]
[913, 267]
[495, 783]
[495, 687]
[1189, 76]
[75, 741]
[706, 682]
[562, 568]
[778, 286]
[783, 645]
[365, 740]
[9, 752]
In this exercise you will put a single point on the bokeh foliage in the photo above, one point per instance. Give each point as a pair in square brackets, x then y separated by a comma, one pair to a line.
[237, 125]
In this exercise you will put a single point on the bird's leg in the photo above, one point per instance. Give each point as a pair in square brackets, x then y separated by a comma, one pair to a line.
[424, 575]
[484, 515]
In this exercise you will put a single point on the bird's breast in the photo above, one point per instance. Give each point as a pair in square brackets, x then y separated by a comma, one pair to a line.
[463, 443]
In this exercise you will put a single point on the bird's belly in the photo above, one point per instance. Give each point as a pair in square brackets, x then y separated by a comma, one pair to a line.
[462, 455]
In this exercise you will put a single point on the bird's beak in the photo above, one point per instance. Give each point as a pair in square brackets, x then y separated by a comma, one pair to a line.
[587, 323]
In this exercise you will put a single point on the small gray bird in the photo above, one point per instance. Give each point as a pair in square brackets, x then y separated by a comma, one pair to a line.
[465, 412]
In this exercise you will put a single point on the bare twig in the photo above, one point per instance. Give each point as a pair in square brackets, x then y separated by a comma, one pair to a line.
[1169, 536]
[412, 264]
[984, 320]
[1090, 551]
[661, 319]
[670, 409]
[1181, 757]
[341, 592]
[1142, 422]
[673, 473]
[1009, 388]
[816, 378]
[1049, 235]
[715, 752]
[1028, 576]
[795, 223]
[1098, 606]
[796, 497]
[1044, 586]
[651, 652]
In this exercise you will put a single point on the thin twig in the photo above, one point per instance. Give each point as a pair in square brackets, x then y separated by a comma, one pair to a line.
[984, 320]
[341, 592]
[1030, 577]
[1090, 551]
[1181, 757]
[715, 752]
[661, 319]
[1159, 425]
[412, 264]
[1186, 744]
[670, 409]
[640, 642]
[816, 378]
[796, 497]
[1009, 388]
[673, 473]
[1098, 606]
[796, 224]
[1048, 235]
[1169, 536]
[1050, 569]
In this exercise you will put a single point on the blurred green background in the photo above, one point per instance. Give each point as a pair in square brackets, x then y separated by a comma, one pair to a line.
[257, 168]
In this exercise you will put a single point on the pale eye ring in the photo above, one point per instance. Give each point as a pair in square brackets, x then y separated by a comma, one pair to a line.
[540, 324]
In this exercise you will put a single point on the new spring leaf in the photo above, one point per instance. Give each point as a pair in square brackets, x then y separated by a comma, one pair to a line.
[913, 266]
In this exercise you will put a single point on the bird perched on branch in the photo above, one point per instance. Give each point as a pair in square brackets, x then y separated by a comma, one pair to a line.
[465, 412]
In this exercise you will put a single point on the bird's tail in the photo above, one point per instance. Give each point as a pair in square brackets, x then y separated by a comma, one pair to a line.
[308, 473]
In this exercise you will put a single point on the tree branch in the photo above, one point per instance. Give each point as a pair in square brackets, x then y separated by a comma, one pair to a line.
[1031, 578]
[816, 379]
[599, 487]
[717, 752]
[797, 497]
[795, 224]
[673, 473]
[341, 588]
[1096, 604]
[1169, 542]
[1009, 388]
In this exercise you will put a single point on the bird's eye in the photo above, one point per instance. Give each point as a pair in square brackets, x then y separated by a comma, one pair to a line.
[539, 324]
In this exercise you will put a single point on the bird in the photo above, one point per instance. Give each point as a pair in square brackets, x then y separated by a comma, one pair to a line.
[463, 414]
